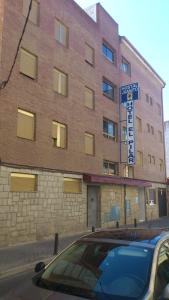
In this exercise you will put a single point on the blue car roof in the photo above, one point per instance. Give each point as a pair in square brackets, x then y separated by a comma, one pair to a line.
[142, 235]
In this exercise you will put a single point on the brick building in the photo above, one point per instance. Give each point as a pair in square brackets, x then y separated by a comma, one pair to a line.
[62, 145]
[166, 133]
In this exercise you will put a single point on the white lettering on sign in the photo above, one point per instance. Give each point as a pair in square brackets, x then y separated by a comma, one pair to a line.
[129, 88]
[130, 132]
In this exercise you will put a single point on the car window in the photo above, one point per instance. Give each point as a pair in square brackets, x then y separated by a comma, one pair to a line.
[162, 275]
[97, 270]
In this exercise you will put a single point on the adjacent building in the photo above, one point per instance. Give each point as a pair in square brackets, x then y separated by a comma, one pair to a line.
[63, 162]
[166, 133]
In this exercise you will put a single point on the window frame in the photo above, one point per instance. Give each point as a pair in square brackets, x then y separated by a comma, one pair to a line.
[89, 134]
[67, 82]
[112, 85]
[66, 45]
[36, 64]
[35, 176]
[93, 92]
[110, 163]
[111, 49]
[115, 129]
[55, 139]
[92, 64]
[38, 12]
[125, 62]
[20, 110]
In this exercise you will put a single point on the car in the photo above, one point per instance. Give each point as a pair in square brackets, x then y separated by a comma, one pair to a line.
[116, 264]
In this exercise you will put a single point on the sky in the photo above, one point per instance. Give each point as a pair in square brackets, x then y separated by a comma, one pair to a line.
[146, 25]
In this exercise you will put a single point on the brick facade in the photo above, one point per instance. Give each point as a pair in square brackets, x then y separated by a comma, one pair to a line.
[37, 215]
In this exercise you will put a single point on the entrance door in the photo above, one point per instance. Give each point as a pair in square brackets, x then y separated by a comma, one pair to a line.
[162, 202]
[93, 206]
[141, 202]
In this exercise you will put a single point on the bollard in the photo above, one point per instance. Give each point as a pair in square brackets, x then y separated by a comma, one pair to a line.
[135, 222]
[56, 243]
[93, 228]
[117, 224]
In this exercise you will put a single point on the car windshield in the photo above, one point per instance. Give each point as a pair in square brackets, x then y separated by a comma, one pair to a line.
[97, 270]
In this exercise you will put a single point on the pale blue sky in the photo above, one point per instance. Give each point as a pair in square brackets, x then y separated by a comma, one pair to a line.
[146, 24]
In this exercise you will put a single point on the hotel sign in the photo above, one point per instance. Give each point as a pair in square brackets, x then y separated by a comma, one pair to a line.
[129, 92]
[130, 133]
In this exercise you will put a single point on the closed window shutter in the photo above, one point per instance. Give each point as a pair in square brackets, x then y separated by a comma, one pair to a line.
[56, 80]
[25, 125]
[72, 185]
[23, 182]
[60, 82]
[63, 136]
[28, 64]
[34, 13]
[54, 130]
[89, 98]
[63, 84]
[57, 30]
[89, 144]
[89, 54]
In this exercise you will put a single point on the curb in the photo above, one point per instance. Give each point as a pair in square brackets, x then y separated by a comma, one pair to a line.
[23, 268]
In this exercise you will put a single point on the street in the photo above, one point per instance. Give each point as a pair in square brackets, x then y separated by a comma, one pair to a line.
[7, 284]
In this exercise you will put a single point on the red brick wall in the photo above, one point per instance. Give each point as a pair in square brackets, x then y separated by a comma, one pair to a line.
[38, 96]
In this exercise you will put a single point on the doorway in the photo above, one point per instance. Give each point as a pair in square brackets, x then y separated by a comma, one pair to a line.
[162, 202]
[93, 206]
[141, 204]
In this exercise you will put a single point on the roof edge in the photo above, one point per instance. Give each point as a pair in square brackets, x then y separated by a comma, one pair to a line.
[142, 59]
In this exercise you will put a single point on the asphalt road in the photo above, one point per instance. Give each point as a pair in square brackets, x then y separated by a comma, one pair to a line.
[10, 283]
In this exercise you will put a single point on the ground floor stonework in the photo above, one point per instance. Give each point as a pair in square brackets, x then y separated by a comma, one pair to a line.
[36, 204]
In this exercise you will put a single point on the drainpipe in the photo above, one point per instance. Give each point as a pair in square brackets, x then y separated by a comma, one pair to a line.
[125, 216]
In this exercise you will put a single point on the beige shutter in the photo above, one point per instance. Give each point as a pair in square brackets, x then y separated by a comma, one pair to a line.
[63, 84]
[56, 80]
[34, 13]
[54, 129]
[57, 30]
[28, 64]
[89, 98]
[23, 182]
[63, 34]
[25, 125]
[72, 185]
[89, 54]
[62, 136]
[89, 143]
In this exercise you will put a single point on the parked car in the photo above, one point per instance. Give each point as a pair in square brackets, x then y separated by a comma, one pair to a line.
[121, 264]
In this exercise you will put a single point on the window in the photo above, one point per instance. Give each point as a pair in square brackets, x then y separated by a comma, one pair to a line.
[108, 89]
[128, 171]
[89, 98]
[72, 185]
[151, 101]
[124, 134]
[148, 127]
[28, 64]
[34, 13]
[152, 130]
[110, 168]
[159, 109]
[25, 125]
[60, 82]
[125, 66]
[110, 129]
[108, 52]
[22, 182]
[139, 161]
[61, 33]
[147, 98]
[59, 134]
[160, 137]
[89, 54]
[138, 124]
[89, 143]
[152, 197]
[161, 165]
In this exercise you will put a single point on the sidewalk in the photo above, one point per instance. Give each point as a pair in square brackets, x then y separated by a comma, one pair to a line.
[15, 259]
